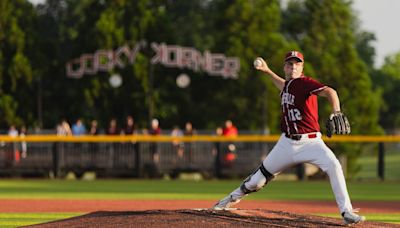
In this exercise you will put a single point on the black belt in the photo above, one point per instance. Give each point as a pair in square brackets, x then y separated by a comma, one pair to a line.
[297, 137]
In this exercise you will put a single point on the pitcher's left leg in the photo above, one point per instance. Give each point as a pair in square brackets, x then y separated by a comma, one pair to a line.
[338, 184]
[320, 155]
[327, 161]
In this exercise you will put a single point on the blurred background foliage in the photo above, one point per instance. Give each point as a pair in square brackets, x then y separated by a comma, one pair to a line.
[37, 41]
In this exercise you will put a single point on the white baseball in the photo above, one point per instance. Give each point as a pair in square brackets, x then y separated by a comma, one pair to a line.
[257, 63]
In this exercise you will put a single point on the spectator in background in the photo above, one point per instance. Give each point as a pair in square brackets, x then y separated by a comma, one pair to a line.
[112, 127]
[14, 156]
[78, 128]
[113, 147]
[63, 129]
[230, 129]
[24, 146]
[217, 153]
[130, 129]
[189, 131]
[155, 127]
[12, 131]
[177, 144]
[219, 131]
[155, 130]
[94, 130]
[129, 126]
[93, 146]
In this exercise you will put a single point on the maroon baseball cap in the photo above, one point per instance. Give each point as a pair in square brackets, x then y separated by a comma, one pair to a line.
[294, 54]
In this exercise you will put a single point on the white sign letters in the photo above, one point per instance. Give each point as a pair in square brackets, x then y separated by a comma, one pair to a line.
[166, 55]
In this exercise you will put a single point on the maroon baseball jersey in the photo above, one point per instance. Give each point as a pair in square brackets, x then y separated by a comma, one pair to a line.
[299, 106]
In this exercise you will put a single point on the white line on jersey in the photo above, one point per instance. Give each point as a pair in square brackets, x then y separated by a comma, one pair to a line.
[317, 90]
[287, 126]
[287, 107]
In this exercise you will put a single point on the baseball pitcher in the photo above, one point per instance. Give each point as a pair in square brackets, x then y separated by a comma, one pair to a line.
[300, 141]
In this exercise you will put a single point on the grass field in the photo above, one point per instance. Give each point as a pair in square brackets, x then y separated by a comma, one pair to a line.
[24, 219]
[163, 189]
[369, 170]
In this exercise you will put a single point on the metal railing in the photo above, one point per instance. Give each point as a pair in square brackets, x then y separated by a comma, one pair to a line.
[151, 156]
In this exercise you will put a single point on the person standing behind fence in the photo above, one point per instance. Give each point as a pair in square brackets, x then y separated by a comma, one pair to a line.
[176, 143]
[12, 131]
[112, 127]
[24, 146]
[189, 131]
[15, 154]
[93, 146]
[230, 130]
[155, 130]
[63, 129]
[130, 129]
[78, 128]
[217, 153]
[94, 129]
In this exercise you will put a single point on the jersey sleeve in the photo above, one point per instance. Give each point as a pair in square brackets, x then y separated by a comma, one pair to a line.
[312, 86]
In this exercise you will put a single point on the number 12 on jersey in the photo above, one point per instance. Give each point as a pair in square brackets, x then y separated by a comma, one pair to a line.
[294, 114]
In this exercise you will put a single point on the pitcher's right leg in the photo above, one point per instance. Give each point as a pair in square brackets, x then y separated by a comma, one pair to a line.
[252, 183]
[277, 160]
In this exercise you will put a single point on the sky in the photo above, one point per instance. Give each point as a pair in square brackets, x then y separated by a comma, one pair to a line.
[379, 17]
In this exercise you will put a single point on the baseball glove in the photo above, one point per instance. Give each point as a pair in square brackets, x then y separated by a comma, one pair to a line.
[337, 124]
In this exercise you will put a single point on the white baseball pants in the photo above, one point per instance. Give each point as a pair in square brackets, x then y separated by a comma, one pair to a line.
[288, 152]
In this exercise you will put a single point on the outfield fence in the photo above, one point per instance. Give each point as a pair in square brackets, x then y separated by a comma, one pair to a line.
[155, 156]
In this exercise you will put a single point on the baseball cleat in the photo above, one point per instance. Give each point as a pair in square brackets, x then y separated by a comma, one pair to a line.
[226, 203]
[349, 217]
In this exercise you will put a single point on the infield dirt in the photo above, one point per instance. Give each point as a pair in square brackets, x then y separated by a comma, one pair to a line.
[202, 218]
[174, 213]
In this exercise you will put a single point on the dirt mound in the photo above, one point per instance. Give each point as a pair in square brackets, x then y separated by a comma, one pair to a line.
[201, 218]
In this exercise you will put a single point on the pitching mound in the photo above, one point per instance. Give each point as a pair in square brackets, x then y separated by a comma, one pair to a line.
[201, 218]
